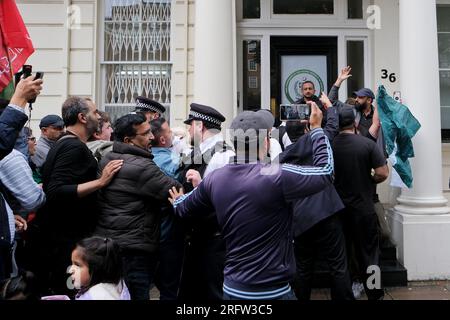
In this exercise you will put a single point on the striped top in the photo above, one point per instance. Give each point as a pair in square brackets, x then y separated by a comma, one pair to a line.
[23, 194]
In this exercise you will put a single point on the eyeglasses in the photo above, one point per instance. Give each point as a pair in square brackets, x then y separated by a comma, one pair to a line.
[147, 133]
[32, 139]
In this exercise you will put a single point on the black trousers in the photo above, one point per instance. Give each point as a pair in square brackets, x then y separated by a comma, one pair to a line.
[361, 233]
[139, 271]
[326, 239]
[168, 273]
[202, 274]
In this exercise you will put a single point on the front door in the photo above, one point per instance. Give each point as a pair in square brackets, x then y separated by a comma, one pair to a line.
[295, 60]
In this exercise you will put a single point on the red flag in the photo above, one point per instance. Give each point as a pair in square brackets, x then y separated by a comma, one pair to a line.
[15, 42]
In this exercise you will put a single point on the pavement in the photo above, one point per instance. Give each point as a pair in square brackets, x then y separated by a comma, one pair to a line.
[417, 290]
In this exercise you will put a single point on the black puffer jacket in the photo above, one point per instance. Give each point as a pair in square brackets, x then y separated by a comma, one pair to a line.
[130, 204]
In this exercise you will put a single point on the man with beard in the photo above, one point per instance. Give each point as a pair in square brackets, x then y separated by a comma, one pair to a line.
[202, 275]
[130, 206]
[70, 182]
[308, 91]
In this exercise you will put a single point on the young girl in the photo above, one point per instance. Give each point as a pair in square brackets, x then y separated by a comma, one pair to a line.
[97, 270]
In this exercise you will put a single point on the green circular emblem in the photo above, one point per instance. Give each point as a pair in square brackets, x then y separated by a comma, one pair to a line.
[293, 82]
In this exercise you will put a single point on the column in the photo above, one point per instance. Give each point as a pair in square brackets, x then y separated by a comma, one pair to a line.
[215, 55]
[421, 221]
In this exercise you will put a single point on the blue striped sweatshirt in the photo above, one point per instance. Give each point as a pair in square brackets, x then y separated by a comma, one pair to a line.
[251, 202]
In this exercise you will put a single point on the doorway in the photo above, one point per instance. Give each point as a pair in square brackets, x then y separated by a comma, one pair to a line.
[295, 60]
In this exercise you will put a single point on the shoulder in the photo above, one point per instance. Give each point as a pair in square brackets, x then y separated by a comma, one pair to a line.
[14, 157]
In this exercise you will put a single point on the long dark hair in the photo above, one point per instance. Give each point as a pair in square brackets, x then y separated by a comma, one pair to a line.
[103, 259]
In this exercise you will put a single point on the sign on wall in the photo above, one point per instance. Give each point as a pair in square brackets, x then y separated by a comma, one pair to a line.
[298, 69]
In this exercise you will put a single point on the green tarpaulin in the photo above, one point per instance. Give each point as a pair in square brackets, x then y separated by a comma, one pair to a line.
[399, 127]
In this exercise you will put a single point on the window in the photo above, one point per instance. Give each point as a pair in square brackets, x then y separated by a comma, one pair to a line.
[253, 82]
[355, 9]
[251, 9]
[251, 74]
[303, 6]
[443, 12]
[355, 59]
[136, 53]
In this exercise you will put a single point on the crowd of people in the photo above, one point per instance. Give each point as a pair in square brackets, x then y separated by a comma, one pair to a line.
[96, 210]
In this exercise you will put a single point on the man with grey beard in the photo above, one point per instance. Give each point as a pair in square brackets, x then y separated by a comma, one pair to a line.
[70, 182]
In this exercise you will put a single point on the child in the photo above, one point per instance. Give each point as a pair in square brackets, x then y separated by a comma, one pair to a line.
[97, 270]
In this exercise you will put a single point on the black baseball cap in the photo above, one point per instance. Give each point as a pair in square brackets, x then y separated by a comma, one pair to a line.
[347, 117]
[51, 120]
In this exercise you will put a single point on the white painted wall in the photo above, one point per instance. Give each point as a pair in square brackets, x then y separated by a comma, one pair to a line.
[66, 56]
[183, 17]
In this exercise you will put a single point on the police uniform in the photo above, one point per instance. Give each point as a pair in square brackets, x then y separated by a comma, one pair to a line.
[147, 105]
[204, 259]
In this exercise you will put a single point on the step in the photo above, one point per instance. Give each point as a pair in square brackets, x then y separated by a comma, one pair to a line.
[393, 274]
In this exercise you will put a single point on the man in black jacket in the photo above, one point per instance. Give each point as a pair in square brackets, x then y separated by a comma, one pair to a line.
[130, 205]
[317, 228]
[69, 177]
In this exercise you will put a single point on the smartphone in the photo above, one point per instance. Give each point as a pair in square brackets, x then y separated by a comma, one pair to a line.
[294, 112]
[39, 75]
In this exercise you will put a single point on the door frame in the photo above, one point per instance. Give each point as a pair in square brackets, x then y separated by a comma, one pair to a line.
[264, 34]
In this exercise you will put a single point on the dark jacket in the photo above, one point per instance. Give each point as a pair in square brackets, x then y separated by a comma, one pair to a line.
[311, 210]
[11, 122]
[130, 204]
[67, 218]
[251, 202]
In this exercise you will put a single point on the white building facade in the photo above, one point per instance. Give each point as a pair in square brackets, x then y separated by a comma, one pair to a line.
[240, 54]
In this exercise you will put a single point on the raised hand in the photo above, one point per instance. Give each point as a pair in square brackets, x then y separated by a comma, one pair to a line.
[343, 76]
[315, 120]
[325, 100]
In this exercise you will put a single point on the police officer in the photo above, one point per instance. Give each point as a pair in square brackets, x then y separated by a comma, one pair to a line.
[202, 275]
[149, 108]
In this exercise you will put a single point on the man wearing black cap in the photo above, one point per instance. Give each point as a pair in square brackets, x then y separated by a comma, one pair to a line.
[205, 251]
[369, 123]
[251, 201]
[355, 157]
[149, 108]
[52, 127]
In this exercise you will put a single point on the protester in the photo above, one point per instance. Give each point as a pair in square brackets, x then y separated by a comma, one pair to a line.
[130, 205]
[100, 142]
[258, 229]
[52, 127]
[355, 158]
[70, 182]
